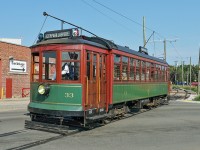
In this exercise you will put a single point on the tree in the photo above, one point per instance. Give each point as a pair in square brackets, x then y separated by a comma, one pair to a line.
[177, 71]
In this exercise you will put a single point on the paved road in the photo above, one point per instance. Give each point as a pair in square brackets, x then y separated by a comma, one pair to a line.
[175, 127]
[12, 120]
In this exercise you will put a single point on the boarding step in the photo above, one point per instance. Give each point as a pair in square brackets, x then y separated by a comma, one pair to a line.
[60, 129]
[97, 117]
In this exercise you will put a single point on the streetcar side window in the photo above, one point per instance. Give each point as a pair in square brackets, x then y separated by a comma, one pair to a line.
[124, 68]
[143, 71]
[163, 73]
[49, 65]
[152, 72]
[117, 64]
[70, 65]
[35, 67]
[132, 69]
[138, 66]
[148, 67]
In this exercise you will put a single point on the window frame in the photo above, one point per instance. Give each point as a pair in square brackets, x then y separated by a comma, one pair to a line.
[61, 61]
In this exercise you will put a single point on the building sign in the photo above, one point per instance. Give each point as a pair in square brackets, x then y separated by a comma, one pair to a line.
[18, 66]
[61, 34]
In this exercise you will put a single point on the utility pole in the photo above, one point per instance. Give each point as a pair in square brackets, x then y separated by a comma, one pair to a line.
[182, 73]
[199, 72]
[165, 45]
[144, 32]
[187, 76]
[164, 49]
[62, 23]
[190, 74]
[175, 71]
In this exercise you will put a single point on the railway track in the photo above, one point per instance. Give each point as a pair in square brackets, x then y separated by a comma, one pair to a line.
[37, 142]
[61, 131]
[12, 133]
[180, 93]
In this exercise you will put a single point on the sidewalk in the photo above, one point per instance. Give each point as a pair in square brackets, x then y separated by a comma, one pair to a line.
[14, 104]
[190, 99]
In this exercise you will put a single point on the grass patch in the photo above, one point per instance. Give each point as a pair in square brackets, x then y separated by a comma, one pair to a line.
[193, 88]
[197, 98]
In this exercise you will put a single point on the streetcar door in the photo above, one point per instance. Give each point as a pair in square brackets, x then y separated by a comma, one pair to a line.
[96, 84]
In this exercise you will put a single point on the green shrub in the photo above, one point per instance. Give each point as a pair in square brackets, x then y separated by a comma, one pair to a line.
[197, 98]
[193, 88]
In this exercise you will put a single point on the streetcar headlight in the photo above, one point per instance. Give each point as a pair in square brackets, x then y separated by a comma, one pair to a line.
[43, 89]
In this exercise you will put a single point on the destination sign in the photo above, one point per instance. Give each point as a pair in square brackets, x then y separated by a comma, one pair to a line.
[59, 34]
[143, 50]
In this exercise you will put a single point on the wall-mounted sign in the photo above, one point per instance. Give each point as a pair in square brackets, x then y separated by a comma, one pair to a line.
[18, 66]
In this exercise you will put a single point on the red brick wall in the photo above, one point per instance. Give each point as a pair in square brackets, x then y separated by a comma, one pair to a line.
[19, 80]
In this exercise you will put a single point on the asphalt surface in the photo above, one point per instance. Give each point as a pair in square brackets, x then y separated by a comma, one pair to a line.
[175, 126]
[14, 104]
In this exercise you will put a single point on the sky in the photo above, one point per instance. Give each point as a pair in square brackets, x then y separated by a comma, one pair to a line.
[118, 20]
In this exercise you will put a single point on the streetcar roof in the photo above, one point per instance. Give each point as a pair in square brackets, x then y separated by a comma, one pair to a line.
[97, 42]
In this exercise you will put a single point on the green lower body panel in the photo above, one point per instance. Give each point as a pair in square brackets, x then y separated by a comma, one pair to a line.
[128, 92]
[55, 106]
[61, 97]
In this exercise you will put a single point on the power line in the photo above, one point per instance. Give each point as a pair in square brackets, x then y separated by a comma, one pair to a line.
[120, 14]
[176, 50]
[108, 16]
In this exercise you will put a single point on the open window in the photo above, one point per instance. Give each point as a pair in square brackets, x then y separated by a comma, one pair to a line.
[49, 65]
[70, 65]
[35, 67]
[117, 66]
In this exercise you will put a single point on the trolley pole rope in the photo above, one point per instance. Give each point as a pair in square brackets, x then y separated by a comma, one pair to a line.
[63, 21]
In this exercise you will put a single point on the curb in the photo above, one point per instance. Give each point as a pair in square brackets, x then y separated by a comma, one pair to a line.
[189, 101]
[15, 99]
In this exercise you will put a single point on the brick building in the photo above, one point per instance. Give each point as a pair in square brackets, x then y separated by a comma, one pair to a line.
[14, 70]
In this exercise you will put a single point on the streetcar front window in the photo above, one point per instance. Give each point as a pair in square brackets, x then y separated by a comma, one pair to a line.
[49, 65]
[35, 67]
[70, 65]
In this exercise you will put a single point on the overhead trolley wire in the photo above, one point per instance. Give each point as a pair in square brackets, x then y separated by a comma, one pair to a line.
[41, 28]
[176, 50]
[107, 16]
[120, 14]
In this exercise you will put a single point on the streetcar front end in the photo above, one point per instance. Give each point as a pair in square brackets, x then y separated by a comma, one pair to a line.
[56, 88]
